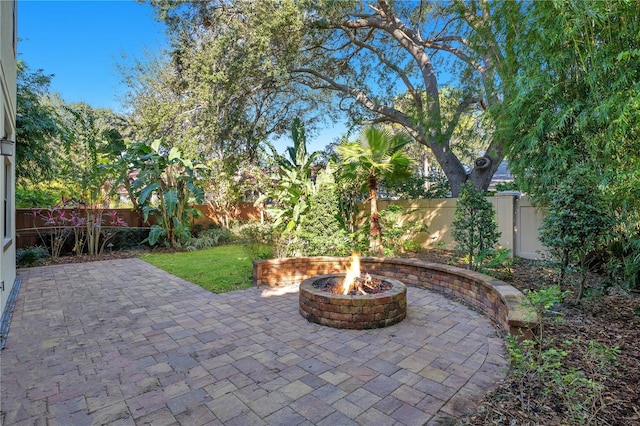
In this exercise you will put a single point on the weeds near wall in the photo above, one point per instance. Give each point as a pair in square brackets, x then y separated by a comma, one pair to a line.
[540, 375]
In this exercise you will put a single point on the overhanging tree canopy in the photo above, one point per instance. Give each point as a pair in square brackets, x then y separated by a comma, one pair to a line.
[225, 77]
[38, 127]
[366, 54]
[575, 101]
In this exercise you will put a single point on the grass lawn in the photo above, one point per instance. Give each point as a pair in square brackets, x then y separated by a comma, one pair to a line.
[218, 269]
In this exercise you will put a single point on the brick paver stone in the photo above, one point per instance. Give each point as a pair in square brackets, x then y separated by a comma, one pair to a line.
[122, 342]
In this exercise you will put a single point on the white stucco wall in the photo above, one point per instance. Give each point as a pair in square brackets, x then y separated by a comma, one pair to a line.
[8, 39]
[518, 222]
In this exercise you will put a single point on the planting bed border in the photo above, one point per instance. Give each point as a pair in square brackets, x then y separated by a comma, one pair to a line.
[498, 300]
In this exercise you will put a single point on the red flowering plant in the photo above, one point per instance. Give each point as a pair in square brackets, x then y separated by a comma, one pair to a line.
[99, 231]
[58, 227]
[55, 225]
[79, 225]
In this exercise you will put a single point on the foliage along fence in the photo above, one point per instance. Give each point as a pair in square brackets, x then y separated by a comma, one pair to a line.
[242, 212]
[518, 221]
[29, 227]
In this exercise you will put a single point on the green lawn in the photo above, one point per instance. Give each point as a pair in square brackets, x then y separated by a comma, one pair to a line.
[218, 269]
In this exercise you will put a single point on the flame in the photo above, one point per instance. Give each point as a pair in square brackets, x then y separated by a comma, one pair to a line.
[352, 273]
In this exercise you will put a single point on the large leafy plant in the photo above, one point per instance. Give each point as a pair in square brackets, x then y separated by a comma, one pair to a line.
[89, 166]
[165, 188]
[295, 186]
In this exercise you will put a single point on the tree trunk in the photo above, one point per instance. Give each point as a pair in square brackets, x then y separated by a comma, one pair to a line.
[481, 179]
[451, 166]
[583, 276]
[564, 267]
[425, 169]
[375, 232]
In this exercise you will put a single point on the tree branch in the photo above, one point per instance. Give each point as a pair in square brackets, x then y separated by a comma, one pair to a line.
[457, 52]
[382, 57]
[362, 98]
[456, 116]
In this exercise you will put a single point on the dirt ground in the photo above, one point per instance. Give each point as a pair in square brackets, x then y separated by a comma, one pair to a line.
[609, 316]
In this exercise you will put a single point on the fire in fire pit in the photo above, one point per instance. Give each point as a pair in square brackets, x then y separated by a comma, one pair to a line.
[353, 282]
[363, 285]
[352, 301]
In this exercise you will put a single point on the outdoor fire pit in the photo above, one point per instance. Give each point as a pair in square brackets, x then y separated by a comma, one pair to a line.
[352, 301]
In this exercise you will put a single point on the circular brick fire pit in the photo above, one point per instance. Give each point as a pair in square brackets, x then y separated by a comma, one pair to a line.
[353, 311]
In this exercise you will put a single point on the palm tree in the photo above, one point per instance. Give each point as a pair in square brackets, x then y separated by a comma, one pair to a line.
[377, 156]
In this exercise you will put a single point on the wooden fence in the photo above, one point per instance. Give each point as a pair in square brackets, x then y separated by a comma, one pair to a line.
[518, 222]
[31, 223]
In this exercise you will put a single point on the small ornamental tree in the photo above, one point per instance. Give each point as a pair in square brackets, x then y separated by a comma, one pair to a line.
[575, 223]
[475, 228]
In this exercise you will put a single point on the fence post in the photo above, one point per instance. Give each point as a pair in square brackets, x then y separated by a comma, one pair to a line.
[506, 217]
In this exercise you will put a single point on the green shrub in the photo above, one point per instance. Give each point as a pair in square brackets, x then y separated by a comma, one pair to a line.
[31, 256]
[254, 232]
[623, 264]
[321, 231]
[127, 239]
[196, 229]
[475, 228]
[497, 263]
[575, 222]
[210, 238]
[397, 232]
[259, 238]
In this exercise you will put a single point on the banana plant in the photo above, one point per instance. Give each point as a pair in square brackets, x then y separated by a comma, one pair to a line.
[295, 185]
[165, 188]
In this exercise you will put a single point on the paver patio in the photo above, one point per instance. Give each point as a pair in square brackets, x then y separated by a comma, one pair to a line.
[123, 342]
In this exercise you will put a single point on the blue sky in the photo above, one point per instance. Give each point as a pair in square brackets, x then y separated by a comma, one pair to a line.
[80, 42]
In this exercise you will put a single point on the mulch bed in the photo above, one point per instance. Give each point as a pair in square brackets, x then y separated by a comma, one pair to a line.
[610, 316]
[62, 260]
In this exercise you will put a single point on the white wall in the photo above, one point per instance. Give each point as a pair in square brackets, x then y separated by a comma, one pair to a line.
[7, 164]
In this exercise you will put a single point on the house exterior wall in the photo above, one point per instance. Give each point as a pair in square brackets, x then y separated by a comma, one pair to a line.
[8, 39]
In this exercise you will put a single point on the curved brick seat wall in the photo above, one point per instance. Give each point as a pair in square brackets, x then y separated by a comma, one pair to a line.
[496, 299]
